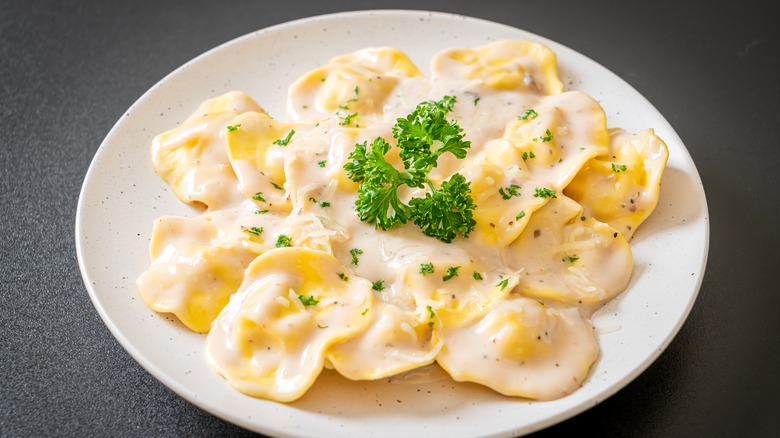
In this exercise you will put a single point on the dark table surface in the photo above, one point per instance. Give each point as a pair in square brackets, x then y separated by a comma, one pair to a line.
[68, 71]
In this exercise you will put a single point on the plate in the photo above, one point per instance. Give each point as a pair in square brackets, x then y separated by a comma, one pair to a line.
[122, 196]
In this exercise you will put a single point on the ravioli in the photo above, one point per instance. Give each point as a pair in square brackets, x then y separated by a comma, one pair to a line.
[287, 277]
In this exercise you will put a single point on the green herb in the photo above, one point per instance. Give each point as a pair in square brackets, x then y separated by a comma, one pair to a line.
[277, 186]
[503, 283]
[544, 193]
[355, 252]
[348, 119]
[357, 90]
[283, 240]
[233, 128]
[422, 137]
[364, 312]
[305, 107]
[520, 215]
[258, 197]
[254, 230]
[343, 277]
[426, 268]
[451, 273]
[582, 149]
[476, 100]
[261, 211]
[618, 168]
[344, 107]
[354, 99]
[286, 140]
[545, 138]
[570, 259]
[477, 276]
[320, 203]
[582, 218]
[321, 163]
[510, 191]
[527, 155]
[378, 285]
[431, 313]
[430, 323]
[529, 115]
[308, 301]
[322, 326]
[560, 160]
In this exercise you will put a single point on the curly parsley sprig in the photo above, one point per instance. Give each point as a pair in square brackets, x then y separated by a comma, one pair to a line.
[422, 137]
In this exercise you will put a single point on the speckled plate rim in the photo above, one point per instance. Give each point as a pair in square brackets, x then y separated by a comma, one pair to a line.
[121, 196]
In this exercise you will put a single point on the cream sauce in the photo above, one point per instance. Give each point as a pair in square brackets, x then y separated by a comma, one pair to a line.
[514, 312]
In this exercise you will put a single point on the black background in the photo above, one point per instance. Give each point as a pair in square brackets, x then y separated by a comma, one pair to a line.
[69, 70]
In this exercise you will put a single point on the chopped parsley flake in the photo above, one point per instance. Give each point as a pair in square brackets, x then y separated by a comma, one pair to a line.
[617, 168]
[529, 115]
[233, 127]
[570, 259]
[582, 218]
[378, 285]
[283, 240]
[476, 100]
[355, 252]
[510, 191]
[258, 197]
[277, 186]
[286, 140]
[452, 272]
[348, 119]
[503, 283]
[343, 277]
[321, 163]
[261, 211]
[364, 312]
[320, 203]
[477, 276]
[545, 138]
[527, 155]
[426, 268]
[520, 215]
[431, 313]
[545, 193]
[322, 326]
[254, 230]
[357, 90]
[308, 301]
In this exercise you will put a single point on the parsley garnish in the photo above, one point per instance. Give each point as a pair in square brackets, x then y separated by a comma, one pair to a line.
[451, 273]
[357, 90]
[286, 140]
[343, 277]
[477, 276]
[570, 259]
[582, 218]
[423, 136]
[520, 215]
[364, 312]
[233, 127]
[426, 268]
[321, 163]
[320, 203]
[527, 155]
[308, 301]
[529, 115]
[545, 138]
[544, 193]
[258, 197]
[277, 186]
[476, 100]
[254, 230]
[348, 119]
[322, 326]
[618, 168]
[503, 283]
[283, 240]
[355, 252]
[378, 285]
[261, 211]
[510, 191]
[431, 313]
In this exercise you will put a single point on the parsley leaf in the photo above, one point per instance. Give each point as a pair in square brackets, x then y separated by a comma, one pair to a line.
[321, 163]
[618, 168]
[378, 285]
[451, 273]
[286, 140]
[426, 268]
[510, 191]
[233, 127]
[477, 276]
[258, 197]
[545, 193]
[570, 259]
[308, 301]
[503, 283]
[355, 252]
[445, 212]
[283, 240]
[529, 115]
[254, 230]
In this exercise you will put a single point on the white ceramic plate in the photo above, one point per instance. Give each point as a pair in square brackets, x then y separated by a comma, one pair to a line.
[122, 196]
